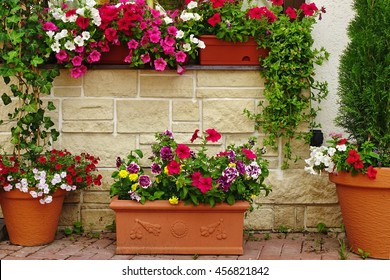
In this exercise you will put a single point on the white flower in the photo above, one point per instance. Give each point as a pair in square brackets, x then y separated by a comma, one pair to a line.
[24, 189]
[197, 17]
[63, 174]
[9, 178]
[7, 188]
[186, 47]
[331, 151]
[193, 39]
[70, 46]
[179, 34]
[34, 194]
[80, 11]
[192, 5]
[86, 35]
[168, 20]
[90, 3]
[186, 16]
[341, 148]
[201, 44]
[50, 33]
[47, 199]
[18, 185]
[310, 170]
[79, 41]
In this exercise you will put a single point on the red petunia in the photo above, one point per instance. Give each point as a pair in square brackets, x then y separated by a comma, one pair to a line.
[342, 141]
[173, 167]
[214, 19]
[277, 2]
[183, 151]
[358, 164]
[249, 154]
[308, 9]
[58, 166]
[213, 135]
[291, 13]
[205, 183]
[195, 178]
[371, 172]
[42, 159]
[82, 22]
[353, 156]
[218, 3]
[194, 136]
[79, 179]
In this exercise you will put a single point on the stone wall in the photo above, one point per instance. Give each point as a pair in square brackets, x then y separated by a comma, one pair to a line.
[111, 111]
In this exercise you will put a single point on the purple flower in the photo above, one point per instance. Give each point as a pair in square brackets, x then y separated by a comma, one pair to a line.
[156, 168]
[134, 196]
[166, 153]
[240, 167]
[231, 156]
[253, 170]
[223, 183]
[230, 173]
[168, 133]
[133, 168]
[118, 162]
[144, 181]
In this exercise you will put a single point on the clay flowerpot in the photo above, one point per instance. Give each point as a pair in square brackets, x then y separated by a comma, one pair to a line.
[115, 56]
[158, 227]
[28, 222]
[220, 52]
[365, 208]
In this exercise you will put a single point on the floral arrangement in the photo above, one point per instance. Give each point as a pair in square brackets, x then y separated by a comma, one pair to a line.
[79, 36]
[52, 170]
[344, 155]
[179, 173]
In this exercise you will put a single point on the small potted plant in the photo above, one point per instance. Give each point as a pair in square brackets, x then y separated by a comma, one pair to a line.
[34, 178]
[360, 165]
[191, 202]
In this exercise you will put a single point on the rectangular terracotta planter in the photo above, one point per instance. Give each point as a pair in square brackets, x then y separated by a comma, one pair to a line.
[158, 227]
[220, 52]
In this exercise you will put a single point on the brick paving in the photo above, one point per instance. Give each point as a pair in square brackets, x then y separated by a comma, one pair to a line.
[257, 246]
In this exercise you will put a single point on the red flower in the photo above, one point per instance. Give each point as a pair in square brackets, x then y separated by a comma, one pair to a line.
[217, 3]
[195, 178]
[342, 141]
[371, 172]
[205, 184]
[308, 9]
[42, 159]
[248, 153]
[58, 166]
[82, 22]
[183, 151]
[214, 19]
[70, 13]
[52, 159]
[173, 167]
[110, 34]
[358, 164]
[194, 136]
[353, 156]
[277, 2]
[291, 13]
[79, 179]
[213, 135]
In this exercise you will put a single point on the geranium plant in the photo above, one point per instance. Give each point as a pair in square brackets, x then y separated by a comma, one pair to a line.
[344, 155]
[180, 173]
[52, 170]
[79, 36]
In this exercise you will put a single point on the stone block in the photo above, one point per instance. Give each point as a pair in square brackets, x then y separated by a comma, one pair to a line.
[261, 218]
[229, 78]
[70, 214]
[284, 216]
[226, 116]
[87, 109]
[189, 127]
[166, 86]
[330, 215]
[64, 79]
[96, 197]
[111, 83]
[107, 147]
[222, 92]
[96, 218]
[88, 126]
[183, 110]
[67, 91]
[140, 116]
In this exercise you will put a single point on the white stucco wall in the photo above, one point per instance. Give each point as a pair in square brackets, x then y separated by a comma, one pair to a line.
[331, 33]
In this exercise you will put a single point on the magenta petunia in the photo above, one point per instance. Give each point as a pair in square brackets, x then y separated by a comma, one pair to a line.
[160, 64]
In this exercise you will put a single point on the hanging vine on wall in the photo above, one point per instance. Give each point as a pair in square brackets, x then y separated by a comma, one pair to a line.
[290, 85]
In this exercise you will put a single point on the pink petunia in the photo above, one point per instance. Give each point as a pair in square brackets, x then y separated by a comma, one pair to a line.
[77, 60]
[132, 44]
[181, 56]
[145, 58]
[94, 56]
[78, 72]
[160, 64]
[61, 56]
[49, 26]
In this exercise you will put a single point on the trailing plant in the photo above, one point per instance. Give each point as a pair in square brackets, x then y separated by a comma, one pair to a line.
[289, 73]
[22, 54]
[364, 71]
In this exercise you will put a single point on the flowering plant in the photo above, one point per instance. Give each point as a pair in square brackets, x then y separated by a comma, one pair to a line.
[180, 173]
[343, 155]
[52, 170]
[79, 36]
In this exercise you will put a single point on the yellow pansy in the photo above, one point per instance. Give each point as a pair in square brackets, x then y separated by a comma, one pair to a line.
[166, 169]
[123, 173]
[232, 164]
[253, 196]
[133, 177]
[173, 200]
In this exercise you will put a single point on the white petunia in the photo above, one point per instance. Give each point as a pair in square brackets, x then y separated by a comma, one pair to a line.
[168, 20]
[70, 46]
[50, 33]
[201, 44]
[179, 34]
[86, 35]
[192, 5]
[7, 188]
[193, 39]
[341, 148]
[90, 3]
[79, 41]
[187, 47]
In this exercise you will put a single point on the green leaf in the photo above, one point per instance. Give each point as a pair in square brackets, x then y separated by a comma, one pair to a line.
[230, 200]
[6, 99]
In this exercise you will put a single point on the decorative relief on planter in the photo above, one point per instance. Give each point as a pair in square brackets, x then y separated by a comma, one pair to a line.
[179, 229]
[141, 227]
[217, 227]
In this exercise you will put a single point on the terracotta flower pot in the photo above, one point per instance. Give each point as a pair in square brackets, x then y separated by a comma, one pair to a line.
[220, 52]
[365, 208]
[160, 228]
[115, 56]
[28, 222]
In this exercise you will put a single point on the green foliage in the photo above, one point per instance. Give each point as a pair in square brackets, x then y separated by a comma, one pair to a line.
[363, 254]
[290, 87]
[364, 71]
[322, 228]
[22, 54]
